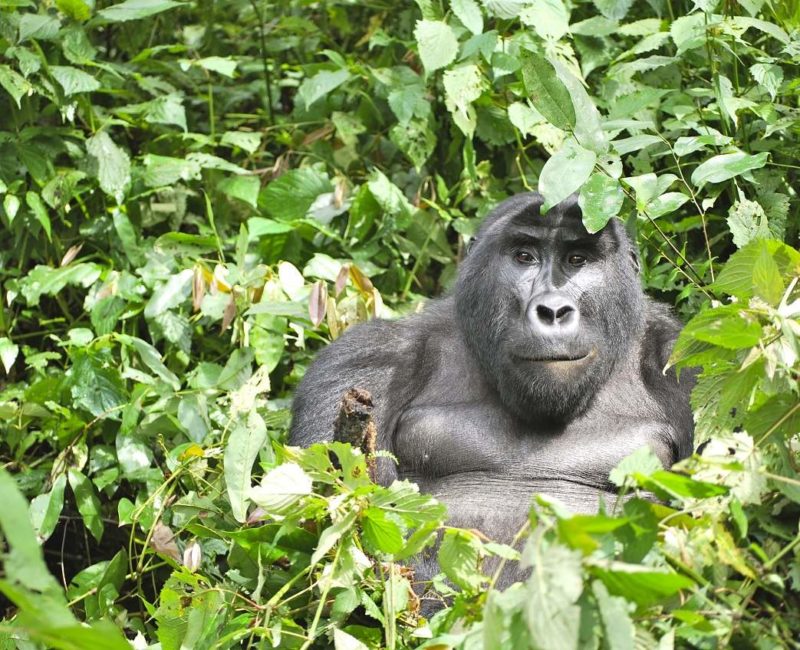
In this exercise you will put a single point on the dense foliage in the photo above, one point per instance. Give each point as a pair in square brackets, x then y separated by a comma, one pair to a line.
[196, 196]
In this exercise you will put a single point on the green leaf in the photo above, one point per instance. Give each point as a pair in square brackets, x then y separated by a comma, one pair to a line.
[600, 200]
[134, 455]
[37, 26]
[380, 532]
[747, 221]
[127, 235]
[170, 294]
[193, 416]
[648, 187]
[726, 166]
[246, 140]
[290, 196]
[332, 534]
[769, 76]
[344, 641]
[244, 188]
[182, 243]
[665, 204]
[14, 84]
[241, 450]
[320, 85]
[11, 205]
[437, 44]
[505, 8]
[152, 359]
[685, 145]
[87, 502]
[458, 557]
[415, 139]
[555, 584]
[737, 277]
[73, 80]
[45, 280]
[39, 210]
[98, 390]
[677, 486]
[75, 9]
[642, 585]
[8, 353]
[224, 65]
[167, 109]
[469, 13]
[727, 326]
[588, 127]
[463, 85]
[136, 9]
[23, 561]
[613, 9]
[617, 623]
[635, 143]
[643, 461]
[546, 91]
[46, 508]
[110, 164]
[391, 200]
[549, 18]
[565, 172]
[762, 25]
[767, 280]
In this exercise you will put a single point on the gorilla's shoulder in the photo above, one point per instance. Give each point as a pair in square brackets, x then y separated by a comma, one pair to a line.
[669, 389]
[661, 329]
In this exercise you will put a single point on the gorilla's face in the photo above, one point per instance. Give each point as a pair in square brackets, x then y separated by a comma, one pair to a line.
[546, 307]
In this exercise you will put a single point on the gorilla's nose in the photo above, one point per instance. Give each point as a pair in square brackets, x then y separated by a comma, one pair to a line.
[553, 314]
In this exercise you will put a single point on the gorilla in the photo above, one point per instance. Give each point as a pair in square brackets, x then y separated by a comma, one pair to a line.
[542, 370]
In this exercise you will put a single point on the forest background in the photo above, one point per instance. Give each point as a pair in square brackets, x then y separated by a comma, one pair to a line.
[197, 196]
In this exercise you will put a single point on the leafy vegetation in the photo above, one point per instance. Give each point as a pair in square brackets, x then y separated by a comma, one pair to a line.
[197, 196]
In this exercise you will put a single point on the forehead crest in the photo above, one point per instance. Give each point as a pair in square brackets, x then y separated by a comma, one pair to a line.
[526, 210]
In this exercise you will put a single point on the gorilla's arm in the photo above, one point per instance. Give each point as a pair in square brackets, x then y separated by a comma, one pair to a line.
[672, 393]
[378, 356]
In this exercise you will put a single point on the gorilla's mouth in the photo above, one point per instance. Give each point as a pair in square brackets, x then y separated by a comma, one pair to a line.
[556, 358]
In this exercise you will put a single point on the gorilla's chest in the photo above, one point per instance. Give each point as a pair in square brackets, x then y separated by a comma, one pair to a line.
[466, 449]
[439, 440]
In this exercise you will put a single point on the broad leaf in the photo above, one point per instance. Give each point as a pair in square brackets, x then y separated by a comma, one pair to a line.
[281, 488]
[458, 557]
[380, 532]
[87, 502]
[554, 586]
[73, 80]
[135, 9]
[111, 165]
[469, 13]
[322, 83]
[600, 199]
[245, 441]
[565, 172]
[546, 91]
[437, 44]
[726, 166]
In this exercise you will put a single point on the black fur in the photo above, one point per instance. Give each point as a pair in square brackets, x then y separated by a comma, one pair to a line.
[481, 408]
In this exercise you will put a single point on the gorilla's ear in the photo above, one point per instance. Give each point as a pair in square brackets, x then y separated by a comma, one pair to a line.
[635, 259]
[471, 244]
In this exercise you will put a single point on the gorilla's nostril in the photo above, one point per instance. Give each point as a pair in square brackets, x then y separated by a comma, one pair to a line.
[566, 310]
[545, 314]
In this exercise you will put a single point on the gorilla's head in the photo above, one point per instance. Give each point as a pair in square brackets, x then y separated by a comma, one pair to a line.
[547, 308]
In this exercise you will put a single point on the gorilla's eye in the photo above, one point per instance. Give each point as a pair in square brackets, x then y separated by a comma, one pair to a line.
[524, 257]
[576, 260]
